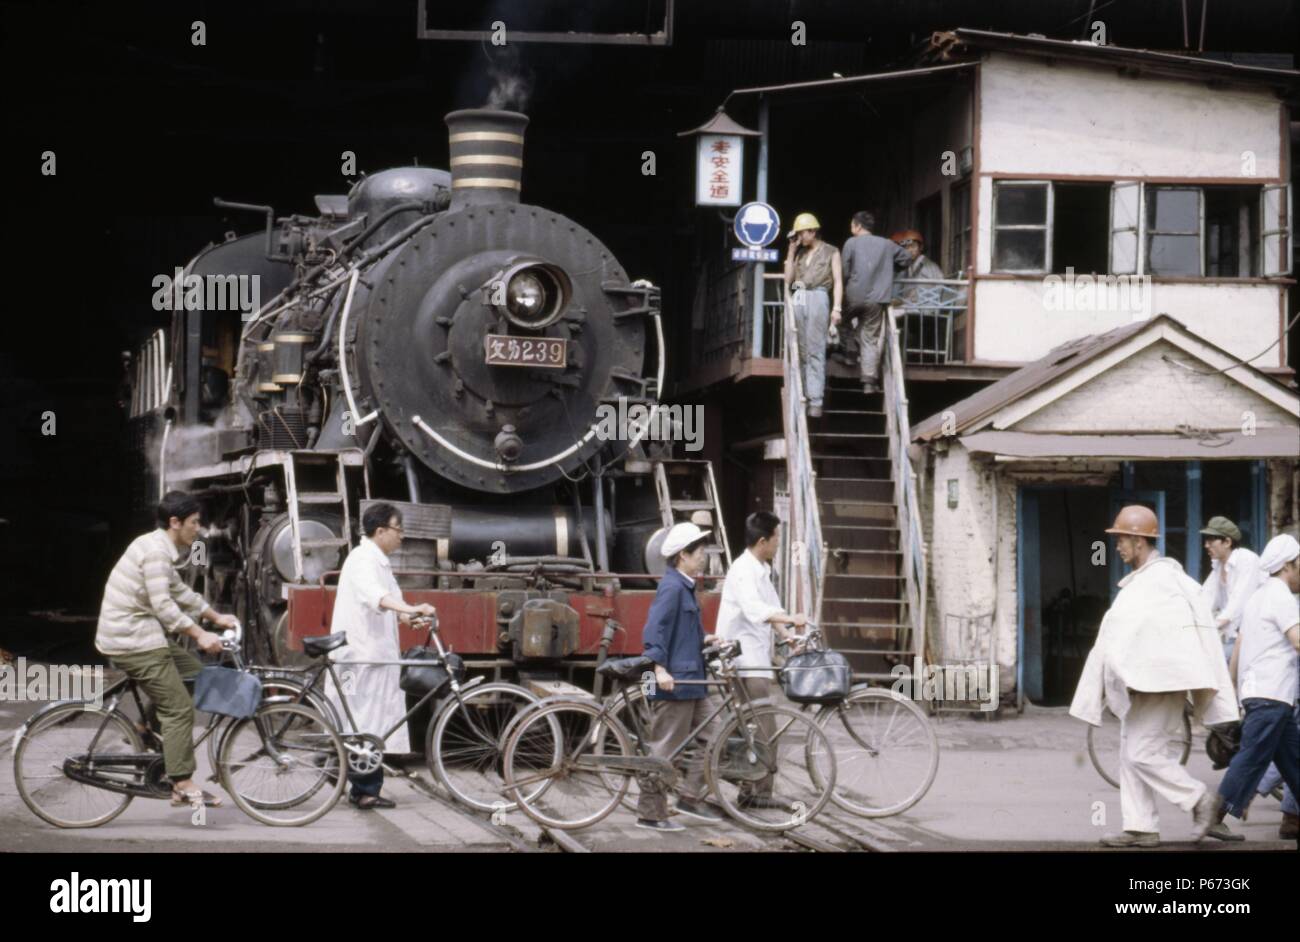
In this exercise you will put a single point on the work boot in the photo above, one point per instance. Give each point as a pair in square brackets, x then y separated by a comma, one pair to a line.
[1220, 832]
[1207, 813]
[1290, 829]
[1132, 839]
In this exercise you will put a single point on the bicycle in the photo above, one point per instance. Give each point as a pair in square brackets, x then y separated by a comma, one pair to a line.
[568, 763]
[463, 742]
[80, 764]
[886, 749]
[1103, 743]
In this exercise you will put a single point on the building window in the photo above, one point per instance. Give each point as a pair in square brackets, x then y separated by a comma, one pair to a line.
[1132, 227]
[1022, 227]
[1231, 231]
[1081, 245]
[1174, 223]
[959, 216]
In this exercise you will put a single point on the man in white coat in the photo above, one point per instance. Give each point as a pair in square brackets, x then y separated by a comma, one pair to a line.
[1156, 644]
[367, 607]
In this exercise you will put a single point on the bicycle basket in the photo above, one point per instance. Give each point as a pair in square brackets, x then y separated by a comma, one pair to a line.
[228, 692]
[817, 677]
[436, 676]
[740, 764]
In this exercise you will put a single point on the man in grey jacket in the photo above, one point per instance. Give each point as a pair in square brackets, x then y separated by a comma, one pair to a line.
[869, 263]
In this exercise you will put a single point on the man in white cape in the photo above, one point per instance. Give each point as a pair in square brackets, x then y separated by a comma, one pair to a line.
[1157, 644]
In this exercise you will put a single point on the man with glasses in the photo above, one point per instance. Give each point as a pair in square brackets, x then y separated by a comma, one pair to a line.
[367, 608]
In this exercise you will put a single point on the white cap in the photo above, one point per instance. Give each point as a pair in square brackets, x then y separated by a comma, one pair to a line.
[679, 537]
[1279, 551]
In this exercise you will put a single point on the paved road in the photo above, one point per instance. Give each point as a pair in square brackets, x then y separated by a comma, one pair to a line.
[1018, 783]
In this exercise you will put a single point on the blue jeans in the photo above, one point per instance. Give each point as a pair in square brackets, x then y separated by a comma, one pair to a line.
[368, 784]
[1268, 734]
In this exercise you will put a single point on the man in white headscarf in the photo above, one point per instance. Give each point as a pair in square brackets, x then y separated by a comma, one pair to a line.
[1156, 645]
[1266, 666]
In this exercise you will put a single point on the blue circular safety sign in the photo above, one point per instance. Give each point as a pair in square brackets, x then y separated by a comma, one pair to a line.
[757, 224]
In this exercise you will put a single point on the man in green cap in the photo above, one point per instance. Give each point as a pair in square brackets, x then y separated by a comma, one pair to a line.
[1233, 578]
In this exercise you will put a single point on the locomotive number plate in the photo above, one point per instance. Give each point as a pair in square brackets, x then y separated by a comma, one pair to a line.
[545, 352]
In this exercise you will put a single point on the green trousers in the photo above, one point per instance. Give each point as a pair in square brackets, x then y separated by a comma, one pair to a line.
[161, 674]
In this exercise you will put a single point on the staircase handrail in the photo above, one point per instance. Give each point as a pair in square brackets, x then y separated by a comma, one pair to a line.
[805, 529]
[905, 487]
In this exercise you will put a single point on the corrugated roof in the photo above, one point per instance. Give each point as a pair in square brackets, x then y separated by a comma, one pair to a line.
[1057, 363]
[945, 44]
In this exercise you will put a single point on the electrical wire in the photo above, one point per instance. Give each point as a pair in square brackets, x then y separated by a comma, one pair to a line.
[1239, 363]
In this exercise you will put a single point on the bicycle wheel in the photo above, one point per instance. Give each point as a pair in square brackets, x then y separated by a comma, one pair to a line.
[776, 773]
[284, 766]
[622, 705]
[886, 751]
[277, 687]
[64, 734]
[463, 746]
[553, 764]
[1104, 745]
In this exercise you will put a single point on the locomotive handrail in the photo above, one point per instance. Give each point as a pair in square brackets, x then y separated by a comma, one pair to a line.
[343, 356]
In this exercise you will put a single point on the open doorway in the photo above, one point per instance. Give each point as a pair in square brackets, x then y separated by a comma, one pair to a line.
[1064, 585]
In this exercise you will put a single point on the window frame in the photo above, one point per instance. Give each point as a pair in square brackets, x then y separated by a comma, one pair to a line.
[1151, 232]
[960, 261]
[1046, 228]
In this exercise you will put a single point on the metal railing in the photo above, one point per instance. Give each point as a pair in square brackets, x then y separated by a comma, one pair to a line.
[930, 308]
[905, 488]
[804, 569]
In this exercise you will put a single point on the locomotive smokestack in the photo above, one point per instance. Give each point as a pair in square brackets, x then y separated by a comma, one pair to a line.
[487, 156]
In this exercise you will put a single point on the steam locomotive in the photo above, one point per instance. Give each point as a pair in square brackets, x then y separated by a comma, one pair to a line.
[431, 341]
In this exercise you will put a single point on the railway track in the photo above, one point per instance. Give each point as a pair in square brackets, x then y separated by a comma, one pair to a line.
[827, 833]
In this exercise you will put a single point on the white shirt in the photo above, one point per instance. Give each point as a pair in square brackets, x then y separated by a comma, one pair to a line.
[372, 690]
[748, 600]
[1229, 601]
[1267, 665]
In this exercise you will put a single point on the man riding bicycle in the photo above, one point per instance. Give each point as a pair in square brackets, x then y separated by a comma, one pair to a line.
[146, 605]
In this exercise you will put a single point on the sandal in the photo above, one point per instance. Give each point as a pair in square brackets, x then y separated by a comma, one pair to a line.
[370, 802]
[193, 797]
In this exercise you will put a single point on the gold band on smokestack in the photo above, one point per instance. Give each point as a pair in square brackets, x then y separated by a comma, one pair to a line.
[487, 156]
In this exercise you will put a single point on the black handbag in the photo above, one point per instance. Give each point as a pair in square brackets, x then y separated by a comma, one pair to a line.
[816, 677]
[418, 681]
[1222, 743]
[228, 692]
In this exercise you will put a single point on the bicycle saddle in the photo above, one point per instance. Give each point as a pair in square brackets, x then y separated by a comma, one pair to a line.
[626, 668]
[322, 644]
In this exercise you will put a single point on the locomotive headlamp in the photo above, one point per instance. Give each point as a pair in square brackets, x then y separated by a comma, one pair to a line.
[536, 294]
[525, 296]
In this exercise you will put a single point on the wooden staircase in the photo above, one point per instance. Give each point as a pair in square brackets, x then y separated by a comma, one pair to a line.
[864, 606]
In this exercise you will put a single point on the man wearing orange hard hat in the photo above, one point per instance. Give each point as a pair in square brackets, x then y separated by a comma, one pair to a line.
[1157, 643]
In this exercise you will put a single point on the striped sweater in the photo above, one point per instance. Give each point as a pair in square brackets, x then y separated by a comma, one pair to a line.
[145, 597]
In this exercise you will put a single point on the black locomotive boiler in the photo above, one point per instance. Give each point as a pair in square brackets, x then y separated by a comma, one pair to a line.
[430, 340]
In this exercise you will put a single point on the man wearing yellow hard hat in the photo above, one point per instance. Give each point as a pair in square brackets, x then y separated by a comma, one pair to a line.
[815, 281]
[1157, 643]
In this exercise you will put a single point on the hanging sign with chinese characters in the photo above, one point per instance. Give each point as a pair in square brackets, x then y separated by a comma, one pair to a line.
[719, 161]
[544, 352]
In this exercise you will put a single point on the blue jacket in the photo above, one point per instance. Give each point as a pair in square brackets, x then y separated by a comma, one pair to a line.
[674, 636]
